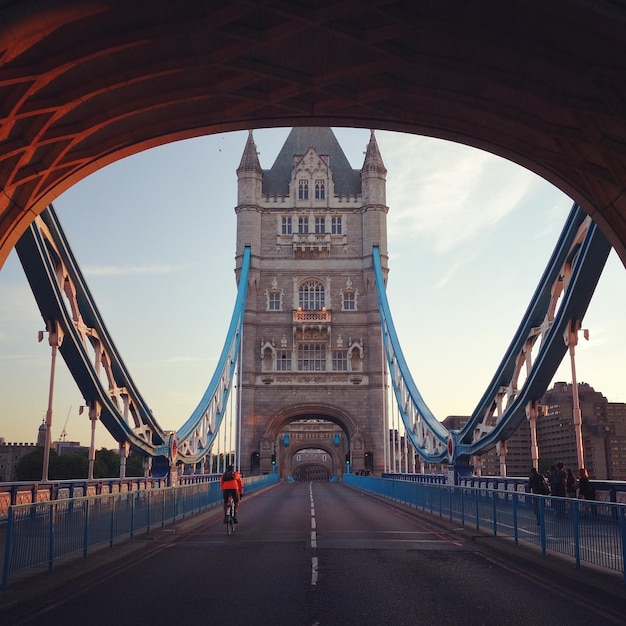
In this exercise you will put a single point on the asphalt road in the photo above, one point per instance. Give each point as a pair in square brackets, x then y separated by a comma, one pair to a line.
[319, 554]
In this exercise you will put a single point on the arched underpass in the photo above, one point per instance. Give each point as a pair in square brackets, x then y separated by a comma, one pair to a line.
[85, 84]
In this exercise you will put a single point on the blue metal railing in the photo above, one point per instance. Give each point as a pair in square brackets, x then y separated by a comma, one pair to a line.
[588, 531]
[41, 533]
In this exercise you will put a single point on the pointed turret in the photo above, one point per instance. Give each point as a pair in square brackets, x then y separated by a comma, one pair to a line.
[249, 174]
[373, 161]
[374, 190]
[248, 209]
[374, 174]
[250, 158]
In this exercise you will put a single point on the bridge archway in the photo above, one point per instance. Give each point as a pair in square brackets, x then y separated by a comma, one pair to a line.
[85, 84]
[305, 427]
[313, 464]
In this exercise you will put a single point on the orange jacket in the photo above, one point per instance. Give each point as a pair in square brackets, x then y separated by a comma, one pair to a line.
[232, 484]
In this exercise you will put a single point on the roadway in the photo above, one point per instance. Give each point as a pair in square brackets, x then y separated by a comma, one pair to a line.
[317, 554]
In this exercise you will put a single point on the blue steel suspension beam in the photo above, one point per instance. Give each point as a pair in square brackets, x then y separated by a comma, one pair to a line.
[571, 277]
[55, 279]
[427, 435]
[563, 295]
[63, 297]
[197, 434]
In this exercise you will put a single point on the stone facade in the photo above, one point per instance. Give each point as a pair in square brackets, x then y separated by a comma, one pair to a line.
[10, 456]
[311, 343]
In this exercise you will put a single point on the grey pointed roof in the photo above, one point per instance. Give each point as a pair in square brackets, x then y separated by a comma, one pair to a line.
[276, 180]
[250, 157]
[373, 160]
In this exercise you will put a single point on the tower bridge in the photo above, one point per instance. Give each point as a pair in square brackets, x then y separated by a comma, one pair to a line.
[378, 72]
[312, 335]
[540, 83]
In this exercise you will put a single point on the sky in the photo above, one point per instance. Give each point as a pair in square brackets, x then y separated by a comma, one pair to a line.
[469, 235]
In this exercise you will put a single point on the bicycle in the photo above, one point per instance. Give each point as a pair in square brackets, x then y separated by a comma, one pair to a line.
[230, 516]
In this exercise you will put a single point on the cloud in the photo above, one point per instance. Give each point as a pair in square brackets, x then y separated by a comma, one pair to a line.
[447, 194]
[450, 273]
[17, 311]
[186, 359]
[136, 270]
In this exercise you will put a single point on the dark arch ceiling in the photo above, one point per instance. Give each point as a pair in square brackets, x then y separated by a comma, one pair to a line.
[540, 82]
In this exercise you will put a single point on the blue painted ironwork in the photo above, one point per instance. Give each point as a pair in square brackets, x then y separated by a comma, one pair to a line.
[563, 295]
[42, 533]
[55, 278]
[565, 525]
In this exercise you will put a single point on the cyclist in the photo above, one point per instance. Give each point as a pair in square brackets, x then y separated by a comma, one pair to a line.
[231, 485]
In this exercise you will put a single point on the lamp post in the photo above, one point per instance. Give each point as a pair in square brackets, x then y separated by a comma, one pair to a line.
[55, 338]
[571, 340]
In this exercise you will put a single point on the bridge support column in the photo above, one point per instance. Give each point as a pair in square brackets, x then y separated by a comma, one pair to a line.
[502, 450]
[94, 416]
[532, 412]
[571, 340]
[55, 338]
[478, 465]
[124, 452]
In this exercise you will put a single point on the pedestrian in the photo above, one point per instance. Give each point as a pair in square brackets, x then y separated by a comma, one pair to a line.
[537, 485]
[586, 491]
[570, 483]
[558, 481]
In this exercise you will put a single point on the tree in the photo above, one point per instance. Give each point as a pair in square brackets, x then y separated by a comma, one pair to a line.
[134, 465]
[30, 466]
[69, 466]
[106, 464]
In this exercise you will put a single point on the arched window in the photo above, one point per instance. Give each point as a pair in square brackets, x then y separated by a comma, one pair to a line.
[303, 225]
[312, 357]
[336, 226]
[312, 296]
[303, 190]
[320, 190]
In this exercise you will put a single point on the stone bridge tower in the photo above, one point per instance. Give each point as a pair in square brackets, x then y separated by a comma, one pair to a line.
[312, 376]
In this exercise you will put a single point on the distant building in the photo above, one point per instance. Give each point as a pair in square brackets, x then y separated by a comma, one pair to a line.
[12, 453]
[603, 432]
[41, 435]
[69, 447]
[10, 456]
[616, 440]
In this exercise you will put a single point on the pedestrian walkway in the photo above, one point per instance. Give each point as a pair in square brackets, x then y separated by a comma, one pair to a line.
[37, 581]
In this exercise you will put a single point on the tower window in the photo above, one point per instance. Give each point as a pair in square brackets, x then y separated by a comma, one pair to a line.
[336, 226]
[303, 225]
[274, 301]
[320, 225]
[340, 360]
[286, 228]
[312, 357]
[320, 190]
[349, 301]
[283, 360]
[312, 296]
[303, 190]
